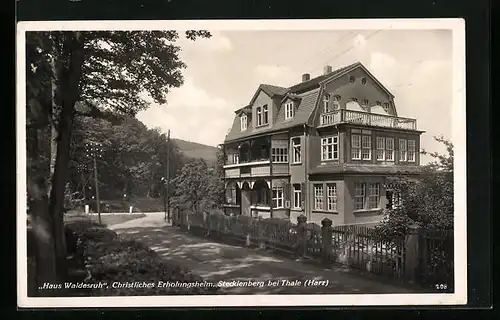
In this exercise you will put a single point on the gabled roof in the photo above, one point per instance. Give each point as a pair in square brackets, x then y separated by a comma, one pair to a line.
[307, 92]
[315, 82]
[273, 90]
[304, 109]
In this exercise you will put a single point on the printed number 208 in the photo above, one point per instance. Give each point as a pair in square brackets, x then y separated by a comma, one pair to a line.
[441, 286]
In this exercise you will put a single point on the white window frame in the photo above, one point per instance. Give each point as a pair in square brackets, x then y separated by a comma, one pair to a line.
[366, 147]
[380, 156]
[265, 115]
[259, 116]
[389, 149]
[318, 196]
[279, 155]
[331, 197]
[297, 196]
[373, 197]
[278, 196]
[244, 122]
[403, 151]
[289, 110]
[359, 194]
[330, 148]
[296, 150]
[412, 145]
[356, 146]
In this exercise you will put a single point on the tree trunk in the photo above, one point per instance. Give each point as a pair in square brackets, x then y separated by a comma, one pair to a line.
[40, 239]
[66, 93]
[41, 224]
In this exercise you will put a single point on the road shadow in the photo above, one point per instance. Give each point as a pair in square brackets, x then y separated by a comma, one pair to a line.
[223, 262]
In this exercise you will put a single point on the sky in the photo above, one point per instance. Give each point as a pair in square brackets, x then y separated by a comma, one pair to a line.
[224, 71]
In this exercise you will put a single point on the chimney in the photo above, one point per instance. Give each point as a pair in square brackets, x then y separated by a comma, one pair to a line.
[328, 69]
[306, 77]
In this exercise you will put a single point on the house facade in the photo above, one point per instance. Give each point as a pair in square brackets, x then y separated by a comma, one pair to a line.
[325, 147]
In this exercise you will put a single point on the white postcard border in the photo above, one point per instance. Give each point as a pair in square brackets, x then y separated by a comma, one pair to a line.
[458, 138]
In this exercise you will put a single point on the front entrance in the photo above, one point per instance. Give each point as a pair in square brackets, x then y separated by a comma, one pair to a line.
[246, 198]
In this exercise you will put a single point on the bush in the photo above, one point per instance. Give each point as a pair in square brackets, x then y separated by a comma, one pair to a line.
[111, 259]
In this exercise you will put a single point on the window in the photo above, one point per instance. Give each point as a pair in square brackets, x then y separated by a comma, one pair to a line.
[352, 79]
[231, 195]
[403, 153]
[386, 107]
[236, 158]
[261, 196]
[265, 115]
[366, 102]
[380, 148]
[363, 80]
[330, 148]
[366, 147]
[289, 110]
[279, 155]
[393, 199]
[296, 156]
[411, 150]
[389, 149]
[378, 103]
[359, 196]
[373, 195]
[297, 196]
[356, 147]
[259, 116]
[243, 120]
[331, 197]
[318, 197]
[326, 103]
[278, 197]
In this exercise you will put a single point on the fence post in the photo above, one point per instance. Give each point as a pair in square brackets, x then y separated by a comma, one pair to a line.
[302, 235]
[262, 239]
[413, 251]
[207, 223]
[326, 240]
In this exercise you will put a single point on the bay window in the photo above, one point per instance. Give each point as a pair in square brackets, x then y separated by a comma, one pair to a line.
[318, 197]
[329, 148]
[331, 197]
[403, 152]
[411, 150]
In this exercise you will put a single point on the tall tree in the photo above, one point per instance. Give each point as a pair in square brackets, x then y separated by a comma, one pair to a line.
[108, 71]
[193, 184]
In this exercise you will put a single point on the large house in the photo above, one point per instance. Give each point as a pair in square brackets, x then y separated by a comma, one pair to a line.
[325, 147]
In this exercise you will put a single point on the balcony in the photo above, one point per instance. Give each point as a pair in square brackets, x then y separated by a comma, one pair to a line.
[365, 118]
[255, 169]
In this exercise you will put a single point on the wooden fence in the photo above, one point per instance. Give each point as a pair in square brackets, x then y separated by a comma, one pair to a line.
[420, 257]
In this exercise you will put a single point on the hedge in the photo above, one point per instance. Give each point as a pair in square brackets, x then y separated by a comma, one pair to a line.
[109, 258]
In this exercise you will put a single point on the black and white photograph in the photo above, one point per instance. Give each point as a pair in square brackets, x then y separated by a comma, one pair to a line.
[247, 163]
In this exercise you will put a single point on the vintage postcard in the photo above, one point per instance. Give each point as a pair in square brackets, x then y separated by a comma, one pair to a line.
[248, 163]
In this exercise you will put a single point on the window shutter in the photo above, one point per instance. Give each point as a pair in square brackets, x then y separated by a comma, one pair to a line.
[303, 190]
[287, 190]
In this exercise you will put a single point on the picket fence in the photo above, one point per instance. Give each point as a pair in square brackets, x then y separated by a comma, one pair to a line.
[415, 258]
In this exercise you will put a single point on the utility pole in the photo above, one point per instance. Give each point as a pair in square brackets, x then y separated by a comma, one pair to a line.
[167, 189]
[94, 150]
[97, 189]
